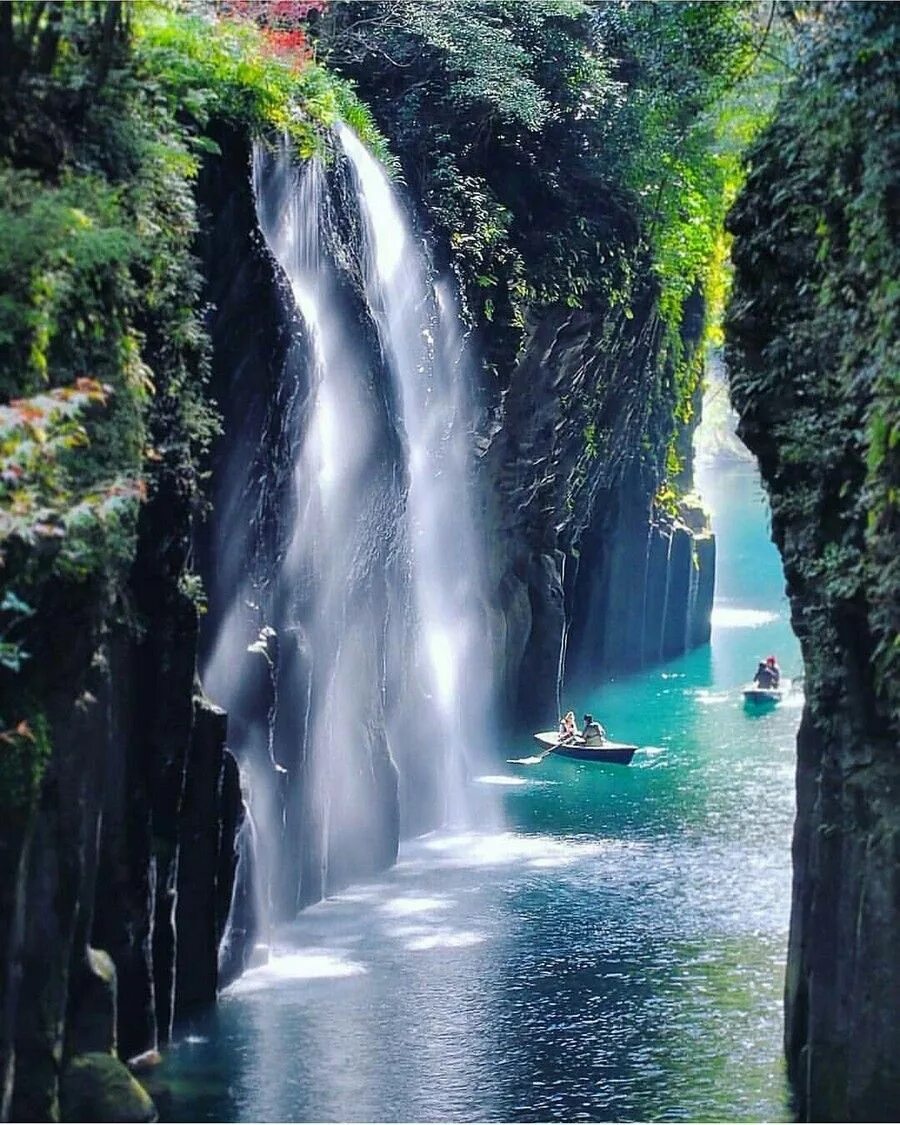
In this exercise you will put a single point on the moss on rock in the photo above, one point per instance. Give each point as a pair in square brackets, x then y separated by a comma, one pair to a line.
[814, 356]
[97, 1087]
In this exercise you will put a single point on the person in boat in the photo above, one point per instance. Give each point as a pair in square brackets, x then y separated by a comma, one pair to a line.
[774, 671]
[767, 675]
[762, 677]
[593, 733]
[568, 731]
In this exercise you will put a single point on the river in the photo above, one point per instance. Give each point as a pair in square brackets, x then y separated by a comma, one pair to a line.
[615, 952]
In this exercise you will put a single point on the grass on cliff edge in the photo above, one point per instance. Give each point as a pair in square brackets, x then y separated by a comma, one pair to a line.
[226, 69]
[103, 354]
[96, 244]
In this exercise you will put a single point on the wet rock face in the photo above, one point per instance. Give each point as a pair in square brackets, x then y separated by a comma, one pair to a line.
[211, 814]
[812, 353]
[165, 773]
[589, 579]
[59, 870]
[89, 879]
[91, 967]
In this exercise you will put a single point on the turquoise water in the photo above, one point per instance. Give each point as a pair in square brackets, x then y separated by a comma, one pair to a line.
[615, 952]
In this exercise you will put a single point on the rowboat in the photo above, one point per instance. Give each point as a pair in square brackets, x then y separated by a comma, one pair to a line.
[753, 693]
[616, 753]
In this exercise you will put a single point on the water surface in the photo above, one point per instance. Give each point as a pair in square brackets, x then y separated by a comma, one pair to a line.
[616, 953]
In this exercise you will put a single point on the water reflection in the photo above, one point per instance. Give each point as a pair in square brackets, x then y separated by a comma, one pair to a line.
[616, 954]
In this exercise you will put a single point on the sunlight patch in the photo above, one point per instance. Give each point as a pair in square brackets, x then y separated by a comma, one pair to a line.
[401, 932]
[401, 907]
[445, 939]
[726, 617]
[502, 848]
[363, 894]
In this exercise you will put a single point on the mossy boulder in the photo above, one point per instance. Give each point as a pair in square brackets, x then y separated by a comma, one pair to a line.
[97, 1087]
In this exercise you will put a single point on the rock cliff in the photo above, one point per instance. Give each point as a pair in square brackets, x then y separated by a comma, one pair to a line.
[119, 766]
[813, 358]
[592, 576]
[134, 769]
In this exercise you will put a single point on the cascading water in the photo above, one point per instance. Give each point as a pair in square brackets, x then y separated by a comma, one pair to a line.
[690, 610]
[346, 643]
[417, 324]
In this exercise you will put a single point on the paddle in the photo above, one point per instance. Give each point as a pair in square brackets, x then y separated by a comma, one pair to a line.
[534, 759]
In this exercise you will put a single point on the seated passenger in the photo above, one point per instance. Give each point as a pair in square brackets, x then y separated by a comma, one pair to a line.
[774, 671]
[594, 734]
[763, 677]
[568, 731]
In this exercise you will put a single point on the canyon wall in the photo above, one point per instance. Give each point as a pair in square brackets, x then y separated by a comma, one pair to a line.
[592, 576]
[137, 775]
[813, 358]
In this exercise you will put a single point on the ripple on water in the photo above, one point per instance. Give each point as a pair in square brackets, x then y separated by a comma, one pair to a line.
[710, 698]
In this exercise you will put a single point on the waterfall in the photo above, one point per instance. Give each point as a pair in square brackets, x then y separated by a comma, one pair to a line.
[241, 933]
[690, 624]
[348, 638]
[418, 328]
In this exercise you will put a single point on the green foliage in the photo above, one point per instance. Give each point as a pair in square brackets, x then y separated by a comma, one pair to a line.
[668, 498]
[814, 328]
[13, 612]
[500, 110]
[64, 281]
[701, 82]
[217, 68]
[24, 754]
[102, 350]
[42, 502]
[700, 87]
[561, 147]
[191, 585]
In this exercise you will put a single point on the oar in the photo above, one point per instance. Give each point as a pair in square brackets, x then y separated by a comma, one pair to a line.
[531, 761]
[534, 759]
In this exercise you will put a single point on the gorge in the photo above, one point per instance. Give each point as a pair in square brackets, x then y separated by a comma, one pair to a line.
[348, 420]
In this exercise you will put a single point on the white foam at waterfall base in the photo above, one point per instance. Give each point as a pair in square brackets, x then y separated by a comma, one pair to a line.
[309, 964]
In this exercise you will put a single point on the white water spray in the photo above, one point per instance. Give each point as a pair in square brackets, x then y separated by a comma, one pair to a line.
[350, 648]
[419, 329]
